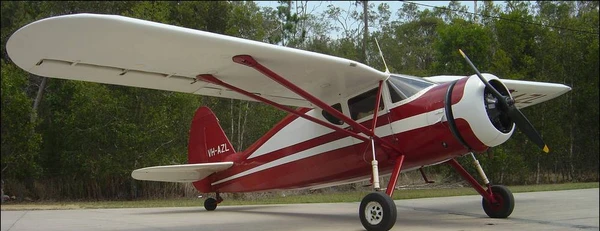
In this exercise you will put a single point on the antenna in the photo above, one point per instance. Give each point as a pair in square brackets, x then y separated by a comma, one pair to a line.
[387, 71]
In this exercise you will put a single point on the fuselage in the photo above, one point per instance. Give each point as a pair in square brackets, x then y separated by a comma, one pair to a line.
[298, 153]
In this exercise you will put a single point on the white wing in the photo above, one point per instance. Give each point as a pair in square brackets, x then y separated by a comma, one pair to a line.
[525, 93]
[131, 52]
[528, 93]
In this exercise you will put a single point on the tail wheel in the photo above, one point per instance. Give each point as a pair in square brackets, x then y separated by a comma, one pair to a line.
[210, 204]
[377, 212]
[505, 203]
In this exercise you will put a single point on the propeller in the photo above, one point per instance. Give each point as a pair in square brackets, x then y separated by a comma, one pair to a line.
[507, 105]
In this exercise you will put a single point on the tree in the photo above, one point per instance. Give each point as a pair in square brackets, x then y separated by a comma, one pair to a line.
[20, 141]
[473, 39]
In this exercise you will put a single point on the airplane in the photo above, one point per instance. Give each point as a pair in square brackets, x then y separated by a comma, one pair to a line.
[332, 135]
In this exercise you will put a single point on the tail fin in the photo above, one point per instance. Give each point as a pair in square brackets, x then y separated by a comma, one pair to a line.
[207, 142]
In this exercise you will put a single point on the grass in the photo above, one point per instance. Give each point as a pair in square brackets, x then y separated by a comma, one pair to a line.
[354, 196]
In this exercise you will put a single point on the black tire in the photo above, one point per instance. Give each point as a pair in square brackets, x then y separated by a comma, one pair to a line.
[505, 205]
[377, 212]
[210, 204]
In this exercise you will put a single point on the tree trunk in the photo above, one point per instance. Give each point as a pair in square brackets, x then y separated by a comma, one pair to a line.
[243, 129]
[537, 173]
[239, 125]
[502, 174]
[366, 31]
[38, 98]
[232, 121]
[571, 136]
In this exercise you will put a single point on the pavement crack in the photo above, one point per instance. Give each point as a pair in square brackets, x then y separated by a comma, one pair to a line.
[13, 224]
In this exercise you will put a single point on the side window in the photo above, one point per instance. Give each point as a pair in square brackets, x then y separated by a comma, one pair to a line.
[363, 104]
[330, 117]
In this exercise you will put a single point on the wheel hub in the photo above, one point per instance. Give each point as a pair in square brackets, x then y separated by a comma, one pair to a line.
[499, 203]
[374, 213]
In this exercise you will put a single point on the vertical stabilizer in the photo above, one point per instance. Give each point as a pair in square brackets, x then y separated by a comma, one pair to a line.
[207, 141]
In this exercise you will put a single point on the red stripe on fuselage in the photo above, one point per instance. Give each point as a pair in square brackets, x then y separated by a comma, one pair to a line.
[341, 164]
[431, 100]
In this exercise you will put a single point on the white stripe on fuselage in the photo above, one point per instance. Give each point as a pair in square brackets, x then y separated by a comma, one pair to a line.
[411, 123]
[344, 142]
[301, 132]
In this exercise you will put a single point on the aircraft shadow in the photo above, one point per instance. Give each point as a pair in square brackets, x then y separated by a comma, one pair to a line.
[324, 220]
[202, 210]
[482, 215]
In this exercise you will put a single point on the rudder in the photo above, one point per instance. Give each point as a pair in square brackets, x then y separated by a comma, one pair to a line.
[207, 142]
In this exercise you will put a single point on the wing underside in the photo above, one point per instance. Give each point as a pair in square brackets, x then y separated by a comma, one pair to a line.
[528, 93]
[131, 52]
[525, 93]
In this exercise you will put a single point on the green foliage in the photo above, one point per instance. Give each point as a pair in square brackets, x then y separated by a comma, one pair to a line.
[246, 21]
[416, 36]
[473, 39]
[20, 142]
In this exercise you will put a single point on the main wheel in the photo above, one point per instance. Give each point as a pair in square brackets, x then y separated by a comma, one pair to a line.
[505, 205]
[377, 212]
[210, 204]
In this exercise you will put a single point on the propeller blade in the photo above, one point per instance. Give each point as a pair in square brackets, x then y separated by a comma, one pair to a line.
[526, 127]
[487, 85]
[513, 113]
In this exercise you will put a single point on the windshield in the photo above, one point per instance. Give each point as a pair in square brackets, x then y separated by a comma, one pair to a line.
[404, 86]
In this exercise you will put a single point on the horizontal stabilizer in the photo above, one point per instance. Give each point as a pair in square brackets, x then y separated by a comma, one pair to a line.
[179, 173]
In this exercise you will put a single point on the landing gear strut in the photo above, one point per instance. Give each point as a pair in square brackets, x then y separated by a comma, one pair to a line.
[210, 204]
[498, 201]
[377, 210]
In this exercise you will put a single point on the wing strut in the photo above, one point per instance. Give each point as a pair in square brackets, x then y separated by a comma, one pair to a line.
[377, 102]
[399, 160]
[249, 61]
[212, 79]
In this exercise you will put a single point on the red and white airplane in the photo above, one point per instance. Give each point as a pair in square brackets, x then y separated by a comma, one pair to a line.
[333, 137]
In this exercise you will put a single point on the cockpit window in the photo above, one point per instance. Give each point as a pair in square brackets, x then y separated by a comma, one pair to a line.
[404, 86]
[330, 117]
[395, 94]
[364, 104]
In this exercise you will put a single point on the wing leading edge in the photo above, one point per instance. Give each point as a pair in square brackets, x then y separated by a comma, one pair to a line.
[525, 93]
[132, 52]
[528, 93]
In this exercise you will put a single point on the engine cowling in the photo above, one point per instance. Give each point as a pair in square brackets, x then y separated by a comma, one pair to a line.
[480, 109]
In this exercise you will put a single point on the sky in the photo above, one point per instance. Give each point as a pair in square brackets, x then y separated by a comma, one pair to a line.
[394, 5]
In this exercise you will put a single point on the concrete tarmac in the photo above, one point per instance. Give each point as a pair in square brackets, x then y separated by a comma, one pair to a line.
[556, 210]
